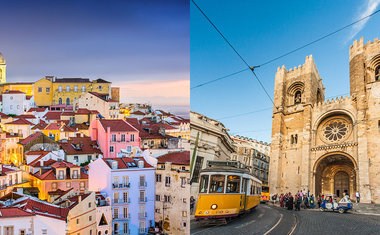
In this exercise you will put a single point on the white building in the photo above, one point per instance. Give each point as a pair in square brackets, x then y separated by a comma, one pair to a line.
[16, 102]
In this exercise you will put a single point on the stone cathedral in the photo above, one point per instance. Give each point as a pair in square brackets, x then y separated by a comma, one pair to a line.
[333, 146]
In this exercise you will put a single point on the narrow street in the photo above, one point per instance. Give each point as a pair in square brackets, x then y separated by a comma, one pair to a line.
[268, 220]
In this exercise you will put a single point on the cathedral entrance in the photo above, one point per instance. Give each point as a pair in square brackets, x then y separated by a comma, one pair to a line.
[335, 174]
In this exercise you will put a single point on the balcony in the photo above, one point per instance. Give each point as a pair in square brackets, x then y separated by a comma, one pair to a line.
[121, 217]
[143, 215]
[143, 199]
[143, 184]
[143, 230]
[121, 186]
[121, 201]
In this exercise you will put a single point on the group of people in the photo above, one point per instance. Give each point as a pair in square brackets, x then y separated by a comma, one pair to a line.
[302, 199]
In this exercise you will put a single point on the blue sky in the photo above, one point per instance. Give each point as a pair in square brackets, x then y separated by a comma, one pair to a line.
[260, 31]
[138, 42]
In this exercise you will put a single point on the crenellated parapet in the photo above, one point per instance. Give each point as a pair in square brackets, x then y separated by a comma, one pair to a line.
[341, 101]
[307, 68]
[358, 47]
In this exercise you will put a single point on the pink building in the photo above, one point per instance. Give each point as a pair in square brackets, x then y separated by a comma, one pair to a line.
[113, 135]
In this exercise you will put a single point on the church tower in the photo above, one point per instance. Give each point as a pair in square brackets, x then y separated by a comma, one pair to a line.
[296, 92]
[2, 69]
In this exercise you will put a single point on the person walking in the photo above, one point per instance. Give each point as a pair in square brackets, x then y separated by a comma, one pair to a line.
[312, 201]
[298, 203]
[192, 204]
[290, 202]
[357, 195]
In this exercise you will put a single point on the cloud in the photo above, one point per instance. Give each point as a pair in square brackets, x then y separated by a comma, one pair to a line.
[365, 10]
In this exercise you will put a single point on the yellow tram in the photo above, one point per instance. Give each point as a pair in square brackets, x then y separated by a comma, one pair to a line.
[227, 189]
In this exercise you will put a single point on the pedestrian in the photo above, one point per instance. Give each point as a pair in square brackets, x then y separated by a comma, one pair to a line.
[282, 200]
[305, 201]
[319, 200]
[312, 201]
[192, 204]
[290, 202]
[298, 203]
[357, 195]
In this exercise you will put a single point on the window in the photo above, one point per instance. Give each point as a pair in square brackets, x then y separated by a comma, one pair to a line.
[81, 185]
[83, 88]
[89, 205]
[39, 89]
[115, 212]
[125, 197]
[115, 197]
[122, 138]
[113, 138]
[167, 198]
[184, 213]
[54, 186]
[67, 88]
[167, 181]
[60, 88]
[297, 97]
[111, 149]
[125, 212]
[158, 177]
[141, 211]
[125, 181]
[76, 158]
[184, 200]
[204, 184]
[142, 196]
[142, 181]
[377, 73]
[217, 184]
[183, 182]
[125, 228]
[22, 232]
[77, 221]
[100, 87]
[75, 174]
[67, 101]
[132, 138]
[68, 184]
[158, 198]
[197, 168]
[142, 226]
[47, 89]
[90, 218]
[116, 228]
[60, 100]
[116, 180]
[129, 148]
[233, 184]
[89, 157]
[75, 88]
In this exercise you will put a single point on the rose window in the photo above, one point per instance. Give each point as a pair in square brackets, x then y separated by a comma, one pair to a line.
[335, 130]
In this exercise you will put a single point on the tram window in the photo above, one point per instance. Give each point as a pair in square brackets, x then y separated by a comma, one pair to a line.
[265, 189]
[204, 184]
[217, 184]
[233, 184]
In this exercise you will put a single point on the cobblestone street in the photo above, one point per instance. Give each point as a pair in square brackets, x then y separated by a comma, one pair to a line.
[268, 219]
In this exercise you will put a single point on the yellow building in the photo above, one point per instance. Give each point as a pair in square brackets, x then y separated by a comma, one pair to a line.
[58, 131]
[56, 91]
[26, 87]
[3, 67]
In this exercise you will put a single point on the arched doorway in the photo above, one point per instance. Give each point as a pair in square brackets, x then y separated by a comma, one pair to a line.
[335, 173]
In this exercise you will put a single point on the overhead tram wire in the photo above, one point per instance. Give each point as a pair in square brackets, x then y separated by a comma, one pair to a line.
[243, 114]
[233, 48]
[299, 48]
[217, 79]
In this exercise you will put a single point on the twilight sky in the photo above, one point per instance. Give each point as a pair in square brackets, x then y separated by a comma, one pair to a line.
[140, 45]
[263, 30]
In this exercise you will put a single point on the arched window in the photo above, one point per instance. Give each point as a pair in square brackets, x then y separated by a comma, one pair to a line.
[377, 73]
[60, 100]
[68, 101]
[297, 97]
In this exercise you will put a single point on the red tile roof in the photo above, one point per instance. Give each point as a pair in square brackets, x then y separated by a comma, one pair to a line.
[37, 163]
[122, 162]
[59, 126]
[36, 110]
[117, 125]
[28, 97]
[85, 146]
[30, 138]
[64, 164]
[86, 111]
[72, 80]
[180, 158]
[26, 116]
[5, 170]
[44, 208]
[138, 112]
[68, 113]
[104, 97]
[52, 115]
[40, 125]
[20, 121]
[7, 212]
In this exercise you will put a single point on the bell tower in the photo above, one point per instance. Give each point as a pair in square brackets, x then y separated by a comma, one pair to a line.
[2, 69]
[296, 92]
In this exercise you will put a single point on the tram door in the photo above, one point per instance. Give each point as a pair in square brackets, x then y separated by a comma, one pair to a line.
[245, 188]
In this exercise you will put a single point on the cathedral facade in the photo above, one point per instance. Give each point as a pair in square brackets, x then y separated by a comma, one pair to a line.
[333, 146]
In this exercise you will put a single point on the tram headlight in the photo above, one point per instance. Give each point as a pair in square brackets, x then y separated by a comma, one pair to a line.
[214, 206]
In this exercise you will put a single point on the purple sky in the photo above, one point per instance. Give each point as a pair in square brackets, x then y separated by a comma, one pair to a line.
[134, 44]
